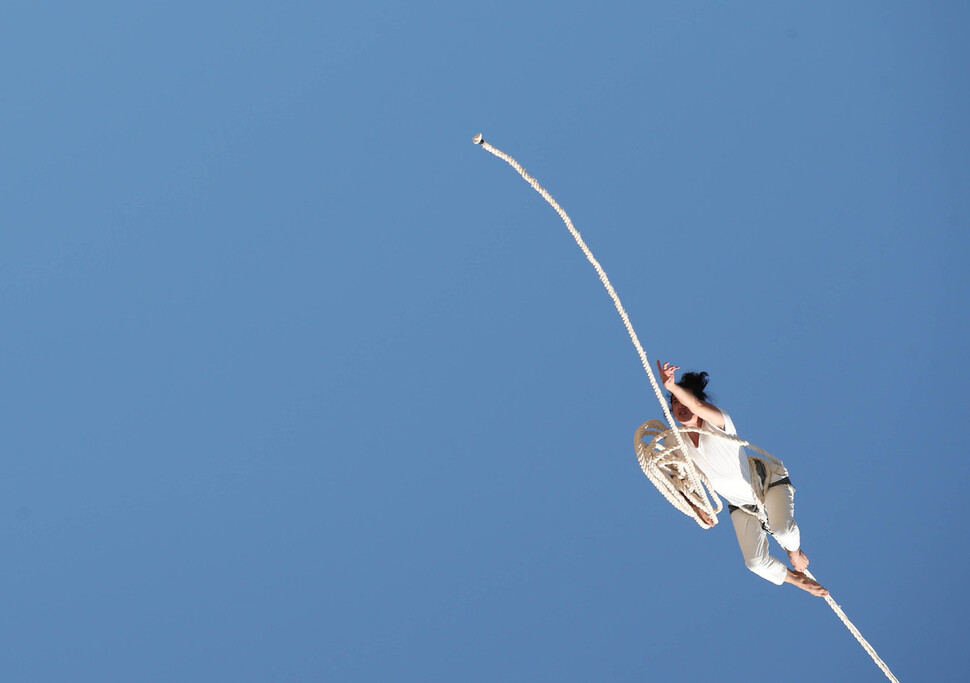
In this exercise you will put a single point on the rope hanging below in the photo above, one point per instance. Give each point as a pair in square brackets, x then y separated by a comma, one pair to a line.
[673, 474]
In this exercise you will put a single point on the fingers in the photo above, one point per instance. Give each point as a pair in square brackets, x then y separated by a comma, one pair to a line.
[667, 371]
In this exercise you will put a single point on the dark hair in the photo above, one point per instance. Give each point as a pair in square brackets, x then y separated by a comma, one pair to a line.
[694, 382]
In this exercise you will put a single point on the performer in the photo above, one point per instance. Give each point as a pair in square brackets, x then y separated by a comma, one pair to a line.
[726, 466]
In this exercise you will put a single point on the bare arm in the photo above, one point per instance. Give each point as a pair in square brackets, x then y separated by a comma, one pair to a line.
[702, 409]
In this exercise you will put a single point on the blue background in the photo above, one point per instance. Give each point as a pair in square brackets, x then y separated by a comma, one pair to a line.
[298, 384]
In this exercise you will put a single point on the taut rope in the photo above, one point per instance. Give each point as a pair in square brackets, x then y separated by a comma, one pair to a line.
[672, 473]
[870, 650]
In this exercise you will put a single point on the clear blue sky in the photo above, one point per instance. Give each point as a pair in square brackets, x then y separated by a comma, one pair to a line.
[300, 385]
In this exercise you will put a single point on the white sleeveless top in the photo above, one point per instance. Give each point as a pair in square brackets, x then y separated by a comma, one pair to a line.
[724, 462]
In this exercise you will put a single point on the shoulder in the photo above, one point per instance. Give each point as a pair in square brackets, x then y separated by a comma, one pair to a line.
[726, 423]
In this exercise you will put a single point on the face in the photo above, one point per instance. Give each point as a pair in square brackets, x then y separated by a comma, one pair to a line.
[680, 411]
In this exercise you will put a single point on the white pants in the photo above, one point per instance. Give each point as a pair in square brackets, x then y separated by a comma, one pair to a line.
[780, 506]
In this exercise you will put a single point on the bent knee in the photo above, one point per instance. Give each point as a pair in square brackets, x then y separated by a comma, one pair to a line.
[757, 564]
[767, 568]
[788, 536]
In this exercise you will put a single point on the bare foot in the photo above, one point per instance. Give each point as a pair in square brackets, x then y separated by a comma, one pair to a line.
[806, 584]
[798, 559]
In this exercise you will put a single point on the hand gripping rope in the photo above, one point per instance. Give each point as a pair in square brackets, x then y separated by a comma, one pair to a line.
[673, 474]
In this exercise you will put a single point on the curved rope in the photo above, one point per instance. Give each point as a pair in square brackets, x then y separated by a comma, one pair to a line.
[674, 475]
[689, 469]
[667, 469]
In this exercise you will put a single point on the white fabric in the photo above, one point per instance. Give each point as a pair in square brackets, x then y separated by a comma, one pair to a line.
[724, 462]
[753, 540]
[726, 465]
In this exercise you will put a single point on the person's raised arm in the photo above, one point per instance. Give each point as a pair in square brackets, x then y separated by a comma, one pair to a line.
[702, 409]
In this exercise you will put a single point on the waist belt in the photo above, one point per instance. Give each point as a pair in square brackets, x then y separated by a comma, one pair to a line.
[763, 474]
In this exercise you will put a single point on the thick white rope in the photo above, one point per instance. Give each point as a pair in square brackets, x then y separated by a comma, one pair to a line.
[673, 474]
[870, 650]
[689, 470]
[666, 468]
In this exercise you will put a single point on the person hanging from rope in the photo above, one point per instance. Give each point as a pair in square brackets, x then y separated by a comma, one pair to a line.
[726, 466]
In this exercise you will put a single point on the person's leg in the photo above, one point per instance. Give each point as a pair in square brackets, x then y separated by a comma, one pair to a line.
[754, 547]
[780, 506]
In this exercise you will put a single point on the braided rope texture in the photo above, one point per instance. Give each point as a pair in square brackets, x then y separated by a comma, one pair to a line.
[870, 650]
[673, 474]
